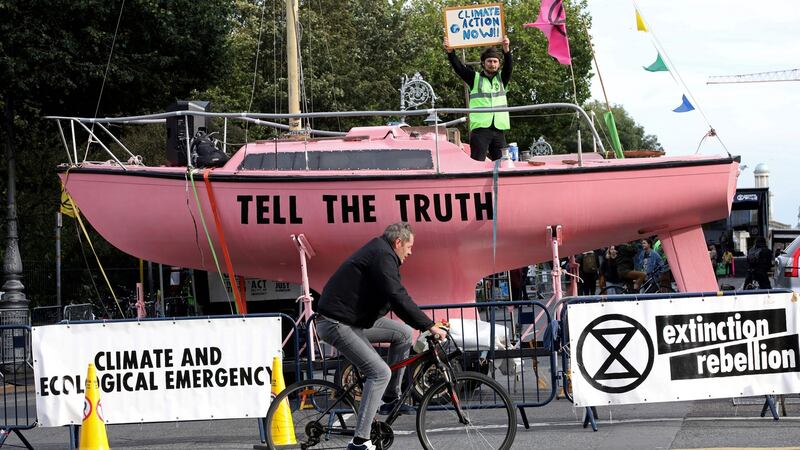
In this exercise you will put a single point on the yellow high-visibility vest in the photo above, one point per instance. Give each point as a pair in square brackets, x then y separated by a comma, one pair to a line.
[488, 94]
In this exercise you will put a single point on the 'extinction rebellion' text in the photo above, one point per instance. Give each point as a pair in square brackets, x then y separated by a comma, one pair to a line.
[728, 344]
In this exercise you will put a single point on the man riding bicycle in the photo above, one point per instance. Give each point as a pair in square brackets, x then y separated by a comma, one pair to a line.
[351, 316]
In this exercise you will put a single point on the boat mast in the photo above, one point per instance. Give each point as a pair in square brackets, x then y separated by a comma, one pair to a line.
[292, 64]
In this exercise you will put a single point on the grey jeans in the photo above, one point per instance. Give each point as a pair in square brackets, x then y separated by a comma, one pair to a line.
[355, 344]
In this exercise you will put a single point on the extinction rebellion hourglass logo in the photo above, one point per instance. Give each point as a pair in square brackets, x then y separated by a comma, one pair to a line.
[625, 350]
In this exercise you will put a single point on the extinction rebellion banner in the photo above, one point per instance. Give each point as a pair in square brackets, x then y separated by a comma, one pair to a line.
[674, 349]
[154, 371]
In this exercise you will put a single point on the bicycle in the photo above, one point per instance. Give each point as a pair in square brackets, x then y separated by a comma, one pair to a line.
[348, 373]
[323, 414]
[651, 285]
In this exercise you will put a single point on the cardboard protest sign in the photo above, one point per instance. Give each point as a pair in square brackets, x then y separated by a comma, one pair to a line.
[476, 25]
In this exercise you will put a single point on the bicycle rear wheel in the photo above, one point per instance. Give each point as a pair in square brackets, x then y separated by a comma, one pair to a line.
[319, 416]
[613, 290]
[492, 420]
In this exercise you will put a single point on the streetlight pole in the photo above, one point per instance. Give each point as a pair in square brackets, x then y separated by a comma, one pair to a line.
[13, 304]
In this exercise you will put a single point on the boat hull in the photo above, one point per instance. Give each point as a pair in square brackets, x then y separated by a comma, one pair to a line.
[466, 225]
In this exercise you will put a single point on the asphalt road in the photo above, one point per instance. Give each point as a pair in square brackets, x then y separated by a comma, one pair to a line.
[722, 423]
[699, 424]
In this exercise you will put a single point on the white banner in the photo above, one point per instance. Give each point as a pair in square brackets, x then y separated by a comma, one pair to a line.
[684, 348]
[255, 290]
[477, 25]
[157, 370]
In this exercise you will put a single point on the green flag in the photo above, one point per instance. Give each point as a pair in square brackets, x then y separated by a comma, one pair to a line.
[658, 65]
[612, 131]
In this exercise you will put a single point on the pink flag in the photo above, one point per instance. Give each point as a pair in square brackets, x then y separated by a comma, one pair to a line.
[552, 21]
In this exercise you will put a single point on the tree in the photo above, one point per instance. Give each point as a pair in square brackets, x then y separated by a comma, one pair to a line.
[53, 62]
[631, 134]
[53, 59]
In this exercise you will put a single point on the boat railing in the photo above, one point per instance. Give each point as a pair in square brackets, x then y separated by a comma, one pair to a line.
[98, 132]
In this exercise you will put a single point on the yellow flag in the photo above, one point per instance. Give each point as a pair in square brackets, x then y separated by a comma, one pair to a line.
[640, 26]
[67, 206]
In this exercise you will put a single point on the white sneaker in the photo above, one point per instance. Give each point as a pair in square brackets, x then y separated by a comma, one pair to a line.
[365, 446]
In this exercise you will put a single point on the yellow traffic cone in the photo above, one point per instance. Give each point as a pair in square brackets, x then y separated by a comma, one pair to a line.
[282, 426]
[93, 430]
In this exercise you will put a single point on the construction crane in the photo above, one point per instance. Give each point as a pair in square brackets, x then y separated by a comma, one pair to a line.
[760, 77]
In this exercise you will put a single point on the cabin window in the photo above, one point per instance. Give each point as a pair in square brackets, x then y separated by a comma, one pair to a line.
[341, 160]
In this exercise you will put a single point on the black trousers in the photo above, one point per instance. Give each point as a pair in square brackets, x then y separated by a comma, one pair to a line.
[483, 141]
[589, 284]
[760, 277]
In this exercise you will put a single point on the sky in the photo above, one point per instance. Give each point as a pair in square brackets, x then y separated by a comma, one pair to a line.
[757, 121]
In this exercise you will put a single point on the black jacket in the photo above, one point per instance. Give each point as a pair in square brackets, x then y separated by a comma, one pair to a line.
[366, 286]
[759, 258]
[468, 75]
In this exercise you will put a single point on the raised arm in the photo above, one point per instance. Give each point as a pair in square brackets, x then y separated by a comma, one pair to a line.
[507, 62]
[464, 72]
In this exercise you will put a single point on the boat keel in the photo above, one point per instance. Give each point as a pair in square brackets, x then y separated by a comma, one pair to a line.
[687, 254]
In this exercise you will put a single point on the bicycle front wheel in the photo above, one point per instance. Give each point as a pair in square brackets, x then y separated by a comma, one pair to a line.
[311, 414]
[485, 405]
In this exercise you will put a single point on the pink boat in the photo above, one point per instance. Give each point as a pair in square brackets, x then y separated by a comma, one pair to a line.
[470, 218]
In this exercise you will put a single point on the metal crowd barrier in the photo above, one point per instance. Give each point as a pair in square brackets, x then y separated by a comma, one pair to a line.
[16, 373]
[518, 359]
[563, 339]
[19, 399]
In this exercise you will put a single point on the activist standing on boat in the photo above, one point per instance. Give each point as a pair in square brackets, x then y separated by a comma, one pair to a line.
[351, 317]
[487, 90]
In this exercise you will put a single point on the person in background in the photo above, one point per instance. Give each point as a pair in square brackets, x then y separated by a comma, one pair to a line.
[759, 262]
[517, 281]
[727, 260]
[665, 279]
[712, 253]
[648, 260]
[487, 90]
[589, 270]
[351, 311]
[608, 268]
[626, 266]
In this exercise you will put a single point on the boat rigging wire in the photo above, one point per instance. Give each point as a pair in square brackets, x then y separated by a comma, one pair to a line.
[333, 89]
[255, 77]
[105, 75]
[194, 221]
[89, 270]
[274, 58]
[99, 264]
[679, 80]
[620, 154]
[301, 72]
[97, 258]
[596, 65]
[255, 66]
[210, 242]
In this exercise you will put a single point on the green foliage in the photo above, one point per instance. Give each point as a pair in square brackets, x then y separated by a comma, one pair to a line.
[537, 77]
[631, 134]
[53, 56]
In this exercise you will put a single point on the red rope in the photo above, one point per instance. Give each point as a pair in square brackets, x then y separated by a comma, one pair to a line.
[241, 306]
